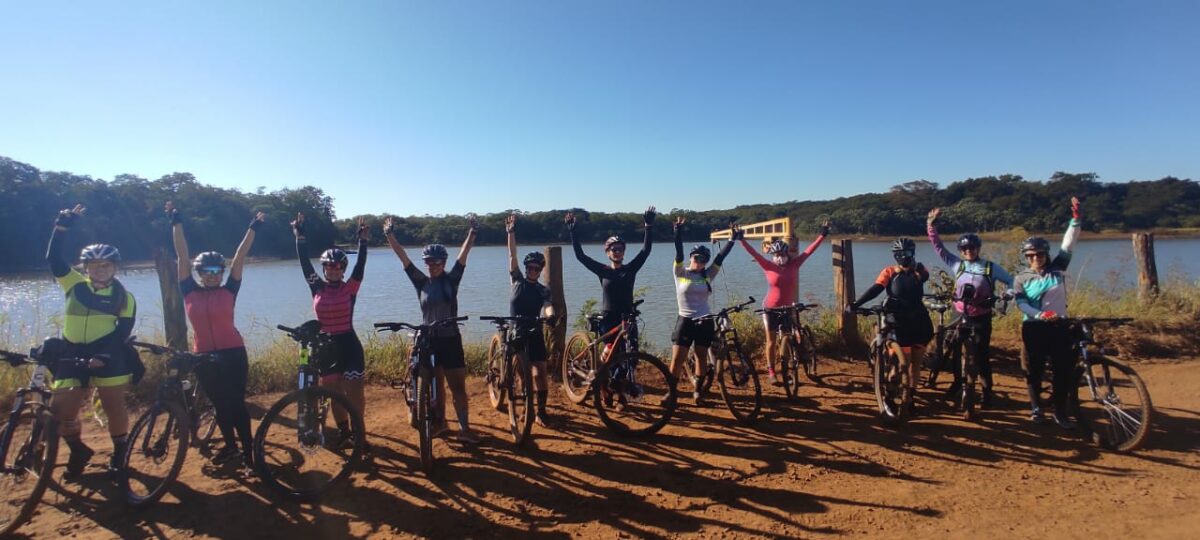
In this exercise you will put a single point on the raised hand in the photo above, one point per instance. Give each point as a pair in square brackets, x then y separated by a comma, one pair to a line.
[172, 212]
[933, 216]
[570, 220]
[389, 226]
[1075, 207]
[649, 215]
[825, 225]
[737, 232]
[298, 225]
[679, 221]
[472, 223]
[364, 232]
[510, 223]
[259, 219]
[66, 217]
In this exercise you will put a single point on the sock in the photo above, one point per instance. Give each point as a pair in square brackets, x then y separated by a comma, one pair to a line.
[541, 401]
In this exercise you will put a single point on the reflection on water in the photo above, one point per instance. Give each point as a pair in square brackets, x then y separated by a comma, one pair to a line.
[274, 292]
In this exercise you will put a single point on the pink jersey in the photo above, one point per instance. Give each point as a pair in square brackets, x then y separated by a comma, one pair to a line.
[781, 280]
[210, 311]
[334, 306]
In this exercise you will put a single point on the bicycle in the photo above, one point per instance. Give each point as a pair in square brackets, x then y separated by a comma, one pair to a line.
[889, 372]
[956, 345]
[1117, 422]
[947, 348]
[633, 392]
[294, 450]
[509, 380]
[792, 353]
[734, 370]
[179, 416]
[421, 390]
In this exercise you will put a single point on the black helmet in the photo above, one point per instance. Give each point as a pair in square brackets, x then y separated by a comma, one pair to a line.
[210, 259]
[100, 252]
[969, 240]
[435, 251]
[535, 258]
[335, 256]
[700, 251]
[1035, 243]
[778, 247]
[612, 241]
[904, 244]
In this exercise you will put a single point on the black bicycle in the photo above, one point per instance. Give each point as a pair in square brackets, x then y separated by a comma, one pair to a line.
[956, 345]
[729, 364]
[296, 451]
[179, 417]
[421, 387]
[509, 380]
[793, 352]
[889, 370]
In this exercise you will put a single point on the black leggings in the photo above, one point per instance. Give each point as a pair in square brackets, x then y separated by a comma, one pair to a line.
[224, 381]
[979, 340]
[1048, 341]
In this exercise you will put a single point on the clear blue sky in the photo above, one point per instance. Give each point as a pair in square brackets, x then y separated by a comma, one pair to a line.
[456, 106]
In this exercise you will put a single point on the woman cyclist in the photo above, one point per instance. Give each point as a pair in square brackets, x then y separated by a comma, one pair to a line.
[616, 278]
[209, 305]
[693, 287]
[97, 322]
[1042, 297]
[438, 296]
[782, 271]
[530, 299]
[904, 283]
[342, 365]
[980, 275]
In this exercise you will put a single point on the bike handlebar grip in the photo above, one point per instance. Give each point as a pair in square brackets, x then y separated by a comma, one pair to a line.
[490, 318]
[383, 325]
[639, 302]
[463, 318]
[286, 329]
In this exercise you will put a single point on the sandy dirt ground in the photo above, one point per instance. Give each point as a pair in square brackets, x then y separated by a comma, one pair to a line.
[817, 467]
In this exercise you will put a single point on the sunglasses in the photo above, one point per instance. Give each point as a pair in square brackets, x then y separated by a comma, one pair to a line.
[968, 248]
[210, 270]
[1034, 255]
[617, 249]
[435, 262]
[533, 268]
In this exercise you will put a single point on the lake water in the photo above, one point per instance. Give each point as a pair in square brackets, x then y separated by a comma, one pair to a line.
[275, 293]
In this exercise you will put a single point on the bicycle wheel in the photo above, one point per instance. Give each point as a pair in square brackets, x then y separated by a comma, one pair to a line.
[1117, 411]
[891, 387]
[158, 445]
[739, 385]
[703, 383]
[206, 423]
[30, 446]
[495, 373]
[969, 398]
[634, 395]
[424, 417]
[520, 400]
[808, 352]
[297, 453]
[789, 366]
[578, 367]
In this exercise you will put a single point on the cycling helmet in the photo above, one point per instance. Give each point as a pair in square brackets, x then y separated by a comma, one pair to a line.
[969, 240]
[904, 244]
[778, 247]
[435, 251]
[99, 252]
[335, 256]
[535, 258]
[700, 251]
[210, 259]
[612, 241]
[1036, 244]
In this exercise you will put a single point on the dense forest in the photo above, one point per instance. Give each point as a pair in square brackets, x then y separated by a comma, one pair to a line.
[127, 212]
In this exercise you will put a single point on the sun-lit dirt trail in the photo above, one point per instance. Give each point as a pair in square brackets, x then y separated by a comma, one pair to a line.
[819, 467]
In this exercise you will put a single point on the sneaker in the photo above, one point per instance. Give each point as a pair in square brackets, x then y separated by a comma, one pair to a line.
[78, 461]
[985, 402]
[771, 374]
[468, 436]
[226, 454]
[441, 430]
[542, 419]
[1037, 417]
[1063, 421]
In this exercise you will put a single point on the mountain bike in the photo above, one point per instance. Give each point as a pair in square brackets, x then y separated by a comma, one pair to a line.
[159, 439]
[296, 452]
[510, 380]
[889, 370]
[791, 352]
[421, 389]
[633, 392]
[729, 364]
[956, 345]
[1117, 411]
[947, 349]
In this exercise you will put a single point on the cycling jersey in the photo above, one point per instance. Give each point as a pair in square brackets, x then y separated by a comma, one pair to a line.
[781, 280]
[210, 310]
[438, 296]
[693, 288]
[980, 274]
[905, 311]
[528, 297]
[334, 302]
[616, 283]
[1046, 289]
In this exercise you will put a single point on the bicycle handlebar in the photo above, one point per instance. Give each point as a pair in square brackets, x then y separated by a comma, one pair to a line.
[398, 326]
[16, 359]
[798, 306]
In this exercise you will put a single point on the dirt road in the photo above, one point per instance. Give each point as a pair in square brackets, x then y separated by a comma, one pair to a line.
[819, 467]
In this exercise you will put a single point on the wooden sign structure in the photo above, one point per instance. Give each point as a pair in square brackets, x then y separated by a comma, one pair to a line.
[769, 231]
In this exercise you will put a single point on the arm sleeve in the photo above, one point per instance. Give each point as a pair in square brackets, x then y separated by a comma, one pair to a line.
[456, 273]
[360, 262]
[415, 276]
[1023, 302]
[725, 249]
[868, 295]
[949, 258]
[808, 251]
[1063, 258]
[233, 285]
[189, 285]
[54, 256]
[588, 262]
[758, 258]
[310, 275]
[678, 244]
[642, 255]
[515, 276]
[1001, 275]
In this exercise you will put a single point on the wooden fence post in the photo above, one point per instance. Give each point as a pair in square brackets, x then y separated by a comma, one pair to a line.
[843, 289]
[557, 338]
[174, 320]
[1143, 249]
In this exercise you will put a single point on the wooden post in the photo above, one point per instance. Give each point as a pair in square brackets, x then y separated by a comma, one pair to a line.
[557, 337]
[843, 289]
[174, 320]
[1143, 249]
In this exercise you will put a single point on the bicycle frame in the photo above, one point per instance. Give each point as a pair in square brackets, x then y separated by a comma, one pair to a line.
[37, 387]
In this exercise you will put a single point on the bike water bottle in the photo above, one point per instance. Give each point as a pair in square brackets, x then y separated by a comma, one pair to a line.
[186, 384]
[39, 376]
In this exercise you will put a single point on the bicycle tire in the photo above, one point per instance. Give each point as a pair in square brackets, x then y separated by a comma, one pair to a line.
[789, 367]
[206, 422]
[280, 469]
[892, 396]
[495, 373]
[808, 350]
[969, 397]
[638, 404]
[425, 422]
[150, 440]
[703, 383]
[738, 380]
[578, 367]
[1106, 418]
[34, 454]
[520, 400]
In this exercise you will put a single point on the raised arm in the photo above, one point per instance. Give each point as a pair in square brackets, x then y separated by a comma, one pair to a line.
[510, 229]
[647, 241]
[182, 268]
[725, 249]
[468, 241]
[389, 232]
[808, 251]
[54, 256]
[678, 225]
[947, 257]
[1067, 248]
[763, 262]
[360, 260]
[587, 262]
[239, 258]
[310, 275]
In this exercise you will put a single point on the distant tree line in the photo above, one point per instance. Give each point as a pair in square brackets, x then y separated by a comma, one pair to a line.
[127, 212]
